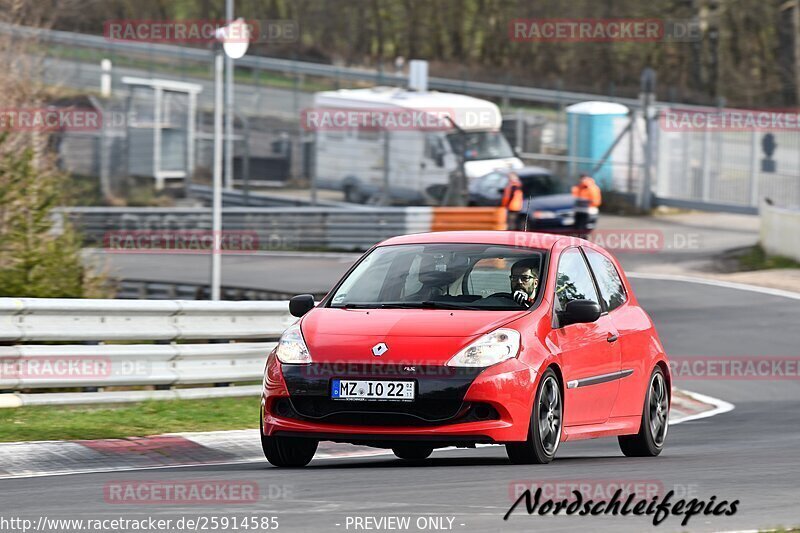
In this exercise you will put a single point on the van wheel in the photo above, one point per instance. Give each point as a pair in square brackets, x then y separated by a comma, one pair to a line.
[655, 421]
[544, 433]
[352, 195]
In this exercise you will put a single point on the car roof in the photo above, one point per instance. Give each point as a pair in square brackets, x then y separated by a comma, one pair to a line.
[507, 238]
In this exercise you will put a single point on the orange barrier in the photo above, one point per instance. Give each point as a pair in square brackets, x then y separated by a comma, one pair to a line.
[469, 218]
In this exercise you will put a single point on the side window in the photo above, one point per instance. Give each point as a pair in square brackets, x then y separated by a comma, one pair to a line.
[611, 288]
[573, 281]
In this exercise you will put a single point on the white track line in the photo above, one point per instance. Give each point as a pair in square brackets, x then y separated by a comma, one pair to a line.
[720, 406]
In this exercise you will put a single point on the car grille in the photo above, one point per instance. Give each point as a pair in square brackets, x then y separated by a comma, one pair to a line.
[378, 413]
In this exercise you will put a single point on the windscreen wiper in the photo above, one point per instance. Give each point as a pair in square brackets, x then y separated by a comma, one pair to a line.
[427, 304]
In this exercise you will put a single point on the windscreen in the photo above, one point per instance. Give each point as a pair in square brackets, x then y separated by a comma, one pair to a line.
[461, 276]
[477, 145]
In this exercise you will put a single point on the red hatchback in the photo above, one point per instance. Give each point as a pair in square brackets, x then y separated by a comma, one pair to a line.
[453, 339]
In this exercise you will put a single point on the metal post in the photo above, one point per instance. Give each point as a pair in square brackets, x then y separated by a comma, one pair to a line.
[157, 139]
[246, 160]
[228, 106]
[105, 183]
[386, 168]
[631, 148]
[706, 184]
[754, 169]
[191, 133]
[313, 168]
[648, 82]
[216, 208]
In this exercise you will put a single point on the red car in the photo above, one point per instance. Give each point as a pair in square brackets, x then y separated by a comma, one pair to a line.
[458, 338]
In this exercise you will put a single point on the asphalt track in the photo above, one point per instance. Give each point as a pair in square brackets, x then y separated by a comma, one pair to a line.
[750, 454]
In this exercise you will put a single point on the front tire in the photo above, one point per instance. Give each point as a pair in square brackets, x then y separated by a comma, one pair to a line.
[286, 451]
[412, 453]
[655, 421]
[290, 452]
[544, 433]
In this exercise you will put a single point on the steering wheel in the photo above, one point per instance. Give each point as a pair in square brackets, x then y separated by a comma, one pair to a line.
[506, 295]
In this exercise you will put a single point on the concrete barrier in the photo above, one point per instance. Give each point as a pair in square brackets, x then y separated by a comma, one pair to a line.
[780, 231]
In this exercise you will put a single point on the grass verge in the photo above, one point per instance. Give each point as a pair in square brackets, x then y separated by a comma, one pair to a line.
[127, 420]
[756, 258]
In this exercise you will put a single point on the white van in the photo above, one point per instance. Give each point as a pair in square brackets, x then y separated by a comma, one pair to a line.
[420, 159]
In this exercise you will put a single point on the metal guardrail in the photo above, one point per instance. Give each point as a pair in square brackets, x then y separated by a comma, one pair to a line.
[140, 289]
[62, 319]
[279, 228]
[238, 198]
[40, 366]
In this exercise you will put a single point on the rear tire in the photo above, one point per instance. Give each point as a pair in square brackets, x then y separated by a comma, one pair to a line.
[655, 421]
[412, 453]
[544, 432]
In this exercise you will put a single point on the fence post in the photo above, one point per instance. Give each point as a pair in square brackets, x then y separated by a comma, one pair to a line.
[706, 176]
[754, 169]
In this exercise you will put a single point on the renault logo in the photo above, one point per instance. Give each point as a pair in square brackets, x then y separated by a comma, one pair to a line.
[379, 349]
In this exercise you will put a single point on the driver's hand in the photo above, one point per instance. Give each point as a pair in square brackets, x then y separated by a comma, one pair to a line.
[521, 297]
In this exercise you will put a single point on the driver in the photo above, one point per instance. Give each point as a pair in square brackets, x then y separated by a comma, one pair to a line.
[524, 281]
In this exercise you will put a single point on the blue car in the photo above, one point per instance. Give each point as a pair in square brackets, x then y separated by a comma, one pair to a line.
[547, 200]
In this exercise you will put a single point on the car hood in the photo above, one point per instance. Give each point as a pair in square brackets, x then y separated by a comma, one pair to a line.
[551, 202]
[413, 336]
[481, 167]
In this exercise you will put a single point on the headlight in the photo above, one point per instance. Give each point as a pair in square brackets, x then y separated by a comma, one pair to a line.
[292, 348]
[490, 349]
[544, 214]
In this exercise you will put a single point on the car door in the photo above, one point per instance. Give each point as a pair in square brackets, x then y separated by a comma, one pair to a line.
[632, 325]
[590, 355]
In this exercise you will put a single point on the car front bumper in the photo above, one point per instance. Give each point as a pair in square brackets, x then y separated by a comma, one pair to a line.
[452, 406]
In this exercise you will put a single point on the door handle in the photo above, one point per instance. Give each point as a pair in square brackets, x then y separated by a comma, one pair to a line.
[612, 337]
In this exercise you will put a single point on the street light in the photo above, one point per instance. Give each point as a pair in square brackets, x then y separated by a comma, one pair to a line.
[235, 39]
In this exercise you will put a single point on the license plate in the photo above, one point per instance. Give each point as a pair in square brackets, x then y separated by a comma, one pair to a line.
[357, 389]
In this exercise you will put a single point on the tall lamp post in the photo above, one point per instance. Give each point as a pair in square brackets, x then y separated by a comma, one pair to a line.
[234, 39]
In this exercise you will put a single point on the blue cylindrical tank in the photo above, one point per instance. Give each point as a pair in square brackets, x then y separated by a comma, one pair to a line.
[592, 128]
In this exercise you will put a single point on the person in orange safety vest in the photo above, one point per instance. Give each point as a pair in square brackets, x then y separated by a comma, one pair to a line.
[587, 189]
[512, 195]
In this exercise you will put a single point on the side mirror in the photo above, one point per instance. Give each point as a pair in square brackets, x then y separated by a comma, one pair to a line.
[301, 304]
[579, 312]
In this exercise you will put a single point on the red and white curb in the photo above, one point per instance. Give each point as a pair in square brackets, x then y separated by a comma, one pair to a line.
[53, 458]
